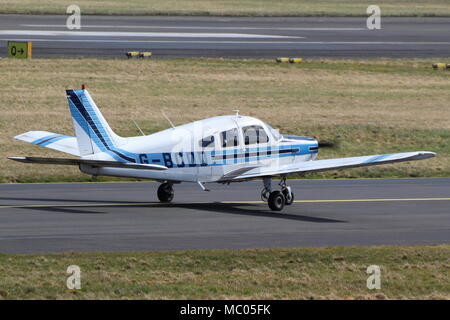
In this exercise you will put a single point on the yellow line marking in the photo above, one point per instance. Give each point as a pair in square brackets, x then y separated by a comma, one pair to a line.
[351, 200]
[377, 200]
[134, 204]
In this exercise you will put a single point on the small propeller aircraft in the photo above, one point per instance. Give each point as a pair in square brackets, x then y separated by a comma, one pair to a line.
[221, 149]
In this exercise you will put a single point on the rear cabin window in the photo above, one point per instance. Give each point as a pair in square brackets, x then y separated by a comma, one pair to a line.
[207, 142]
[230, 138]
[254, 135]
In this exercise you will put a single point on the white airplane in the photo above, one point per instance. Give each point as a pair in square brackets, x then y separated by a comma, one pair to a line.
[221, 149]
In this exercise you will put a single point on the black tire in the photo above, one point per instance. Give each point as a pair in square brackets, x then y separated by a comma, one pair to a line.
[165, 193]
[288, 200]
[276, 201]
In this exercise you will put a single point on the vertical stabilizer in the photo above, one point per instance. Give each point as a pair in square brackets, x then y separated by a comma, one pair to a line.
[91, 129]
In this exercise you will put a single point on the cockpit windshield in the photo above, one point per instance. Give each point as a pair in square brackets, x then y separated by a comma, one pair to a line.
[275, 132]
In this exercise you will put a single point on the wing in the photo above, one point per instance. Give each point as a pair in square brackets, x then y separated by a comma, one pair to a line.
[94, 163]
[51, 140]
[331, 164]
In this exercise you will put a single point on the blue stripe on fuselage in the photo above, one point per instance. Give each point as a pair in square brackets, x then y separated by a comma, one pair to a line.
[216, 158]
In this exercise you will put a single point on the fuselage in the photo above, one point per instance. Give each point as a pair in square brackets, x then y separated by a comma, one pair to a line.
[206, 150]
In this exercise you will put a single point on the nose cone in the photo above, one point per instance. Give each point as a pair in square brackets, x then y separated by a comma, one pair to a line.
[310, 143]
[314, 147]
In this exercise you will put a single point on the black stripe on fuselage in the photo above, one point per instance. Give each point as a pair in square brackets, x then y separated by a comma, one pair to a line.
[82, 110]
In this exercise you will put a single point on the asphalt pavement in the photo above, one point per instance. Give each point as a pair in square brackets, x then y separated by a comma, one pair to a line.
[39, 218]
[259, 37]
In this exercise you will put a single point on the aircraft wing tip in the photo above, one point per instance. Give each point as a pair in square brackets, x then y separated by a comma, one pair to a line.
[427, 154]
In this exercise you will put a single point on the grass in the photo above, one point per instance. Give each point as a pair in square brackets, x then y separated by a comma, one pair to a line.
[407, 272]
[233, 7]
[369, 106]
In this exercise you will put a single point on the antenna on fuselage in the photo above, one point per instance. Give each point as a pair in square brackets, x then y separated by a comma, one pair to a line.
[167, 118]
[137, 126]
[237, 113]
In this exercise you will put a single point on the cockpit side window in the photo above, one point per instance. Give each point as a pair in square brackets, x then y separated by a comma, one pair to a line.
[254, 135]
[207, 142]
[230, 138]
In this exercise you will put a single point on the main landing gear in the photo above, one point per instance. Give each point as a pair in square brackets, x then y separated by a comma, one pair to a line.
[277, 199]
[165, 192]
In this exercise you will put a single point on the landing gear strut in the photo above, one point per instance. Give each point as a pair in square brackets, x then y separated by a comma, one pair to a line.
[277, 199]
[265, 193]
[286, 190]
[165, 192]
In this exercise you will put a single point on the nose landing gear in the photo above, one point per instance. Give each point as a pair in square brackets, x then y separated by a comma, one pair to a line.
[277, 199]
[165, 192]
[287, 192]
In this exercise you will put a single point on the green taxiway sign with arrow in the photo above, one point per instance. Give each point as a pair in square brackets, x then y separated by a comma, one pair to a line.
[19, 49]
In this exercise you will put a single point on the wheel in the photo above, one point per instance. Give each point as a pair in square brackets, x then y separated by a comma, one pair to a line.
[276, 201]
[165, 192]
[289, 197]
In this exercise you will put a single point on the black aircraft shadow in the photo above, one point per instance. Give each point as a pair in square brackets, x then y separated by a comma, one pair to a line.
[247, 209]
[60, 200]
[64, 210]
[239, 209]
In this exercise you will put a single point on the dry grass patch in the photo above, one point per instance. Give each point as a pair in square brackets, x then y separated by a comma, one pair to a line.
[370, 107]
[407, 272]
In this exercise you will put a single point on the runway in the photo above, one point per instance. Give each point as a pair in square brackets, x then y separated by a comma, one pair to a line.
[40, 218]
[113, 36]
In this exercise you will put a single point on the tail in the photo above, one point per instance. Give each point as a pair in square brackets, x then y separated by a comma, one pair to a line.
[91, 129]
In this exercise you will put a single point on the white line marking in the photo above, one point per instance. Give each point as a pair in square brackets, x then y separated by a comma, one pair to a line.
[194, 27]
[231, 42]
[152, 41]
[134, 34]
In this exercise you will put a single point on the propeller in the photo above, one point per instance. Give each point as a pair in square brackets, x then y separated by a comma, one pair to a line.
[328, 144]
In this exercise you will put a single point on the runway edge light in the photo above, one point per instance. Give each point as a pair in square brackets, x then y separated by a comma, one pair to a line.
[440, 66]
[131, 54]
[147, 54]
[295, 60]
[282, 59]
[137, 54]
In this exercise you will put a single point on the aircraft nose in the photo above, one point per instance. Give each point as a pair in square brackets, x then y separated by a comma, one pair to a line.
[314, 147]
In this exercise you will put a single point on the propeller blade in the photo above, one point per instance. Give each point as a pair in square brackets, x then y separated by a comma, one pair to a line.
[328, 144]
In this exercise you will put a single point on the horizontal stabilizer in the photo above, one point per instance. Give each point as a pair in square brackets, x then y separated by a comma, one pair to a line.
[94, 163]
[51, 140]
